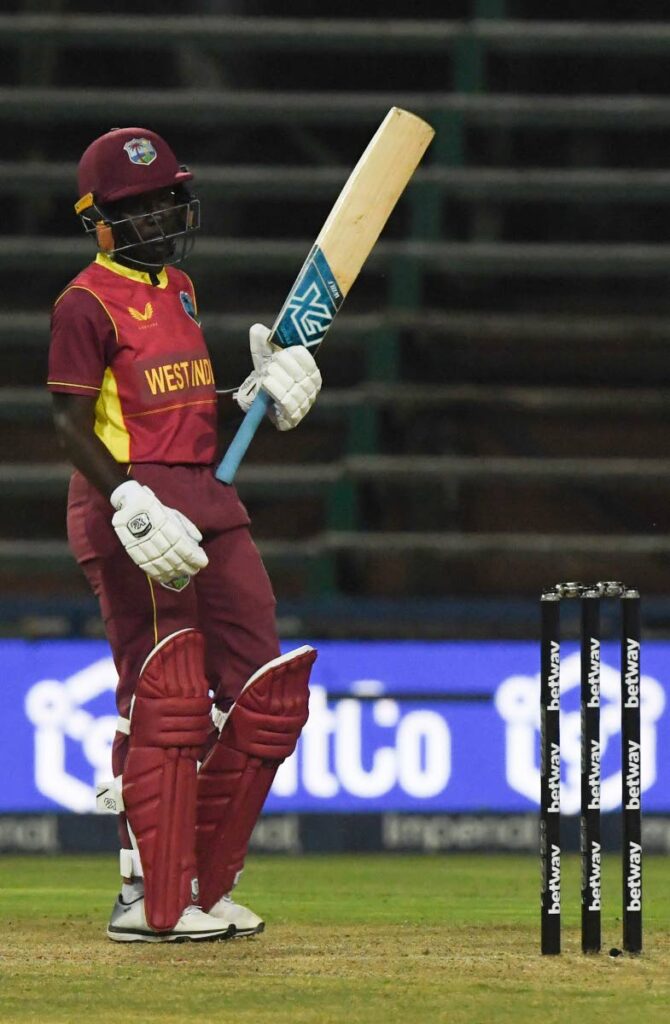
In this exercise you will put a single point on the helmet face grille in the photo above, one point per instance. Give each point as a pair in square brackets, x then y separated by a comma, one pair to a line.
[134, 200]
[153, 239]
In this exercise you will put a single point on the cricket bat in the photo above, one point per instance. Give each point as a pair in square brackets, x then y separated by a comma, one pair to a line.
[341, 248]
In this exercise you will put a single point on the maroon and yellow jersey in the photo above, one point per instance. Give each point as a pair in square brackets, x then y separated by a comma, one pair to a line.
[138, 348]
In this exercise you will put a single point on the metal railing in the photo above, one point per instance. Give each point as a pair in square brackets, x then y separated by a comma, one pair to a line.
[231, 34]
[200, 108]
[255, 256]
[300, 182]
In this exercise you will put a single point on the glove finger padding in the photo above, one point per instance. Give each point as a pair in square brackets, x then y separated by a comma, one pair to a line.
[261, 348]
[189, 528]
[261, 352]
[289, 375]
[181, 553]
[160, 540]
[293, 381]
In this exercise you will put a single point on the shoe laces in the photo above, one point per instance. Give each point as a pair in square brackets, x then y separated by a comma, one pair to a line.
[192, 908]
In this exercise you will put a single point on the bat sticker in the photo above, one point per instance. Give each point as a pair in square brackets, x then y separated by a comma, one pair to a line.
[311, 306]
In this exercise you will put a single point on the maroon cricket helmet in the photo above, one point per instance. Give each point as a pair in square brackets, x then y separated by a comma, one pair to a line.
[127, 162]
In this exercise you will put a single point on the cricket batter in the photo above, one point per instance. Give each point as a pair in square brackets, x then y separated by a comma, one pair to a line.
[187, 605]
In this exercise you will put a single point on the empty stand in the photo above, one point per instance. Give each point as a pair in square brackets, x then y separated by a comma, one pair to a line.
[496, 409]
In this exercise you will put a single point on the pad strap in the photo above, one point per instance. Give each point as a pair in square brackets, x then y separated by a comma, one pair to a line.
[130, 864]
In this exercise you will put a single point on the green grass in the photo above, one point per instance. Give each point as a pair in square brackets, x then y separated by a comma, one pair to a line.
[380, 940]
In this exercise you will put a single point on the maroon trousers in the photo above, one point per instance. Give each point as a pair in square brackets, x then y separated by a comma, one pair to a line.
[231, 601]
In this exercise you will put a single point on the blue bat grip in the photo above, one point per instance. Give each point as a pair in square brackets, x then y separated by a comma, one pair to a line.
[230, 462]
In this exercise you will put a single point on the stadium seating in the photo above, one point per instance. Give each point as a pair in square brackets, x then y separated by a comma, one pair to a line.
[496, 410]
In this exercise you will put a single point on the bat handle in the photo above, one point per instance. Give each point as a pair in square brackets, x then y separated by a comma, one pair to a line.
[255, 415]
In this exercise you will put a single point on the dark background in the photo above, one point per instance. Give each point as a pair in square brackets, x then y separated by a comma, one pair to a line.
[495, 404]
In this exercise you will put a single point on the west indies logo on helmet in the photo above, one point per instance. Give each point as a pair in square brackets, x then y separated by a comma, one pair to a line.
[140, 151]
[134, 199]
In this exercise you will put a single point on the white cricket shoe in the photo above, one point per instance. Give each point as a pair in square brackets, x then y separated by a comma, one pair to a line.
[128, 923]
[243, 920]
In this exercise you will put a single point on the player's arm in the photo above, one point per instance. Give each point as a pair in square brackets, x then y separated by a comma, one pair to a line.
[164, 543]
[74, 417]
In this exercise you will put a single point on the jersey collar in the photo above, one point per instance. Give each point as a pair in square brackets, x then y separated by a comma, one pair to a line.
[133, 275]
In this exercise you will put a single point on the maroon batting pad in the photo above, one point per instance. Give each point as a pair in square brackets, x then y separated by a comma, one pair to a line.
[168, 727]
[261, 730]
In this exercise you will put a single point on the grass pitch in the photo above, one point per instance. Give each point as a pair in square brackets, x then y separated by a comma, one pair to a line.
[356, 939]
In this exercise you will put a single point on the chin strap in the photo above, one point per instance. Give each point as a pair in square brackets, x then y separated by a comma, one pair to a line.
[104, 236]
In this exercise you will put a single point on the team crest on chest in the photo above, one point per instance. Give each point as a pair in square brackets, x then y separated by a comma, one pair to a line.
[140, 151]
[188, 307]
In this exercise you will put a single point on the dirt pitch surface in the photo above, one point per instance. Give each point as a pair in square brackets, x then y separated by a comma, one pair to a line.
[372, 939]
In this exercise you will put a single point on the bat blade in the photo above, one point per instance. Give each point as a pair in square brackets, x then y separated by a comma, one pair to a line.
[341, 248]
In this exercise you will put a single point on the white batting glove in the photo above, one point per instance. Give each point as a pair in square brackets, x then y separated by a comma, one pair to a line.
[160, 540]
[289, 375]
